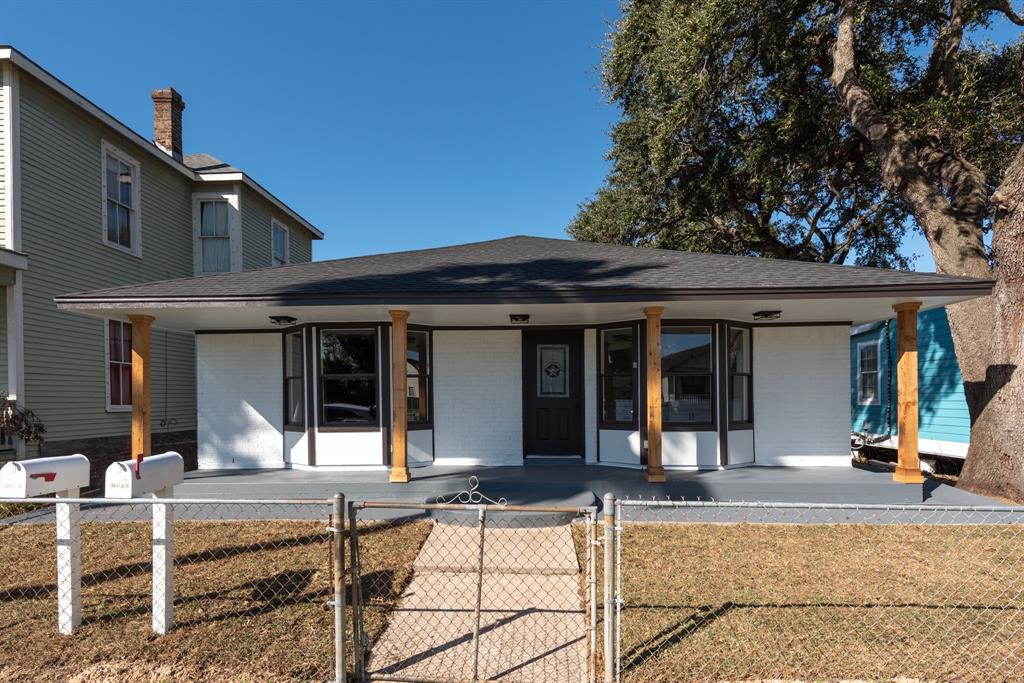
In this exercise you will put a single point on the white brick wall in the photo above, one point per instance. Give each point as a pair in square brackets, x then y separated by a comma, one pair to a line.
[239, 384]
[478, 397]
[802, 395]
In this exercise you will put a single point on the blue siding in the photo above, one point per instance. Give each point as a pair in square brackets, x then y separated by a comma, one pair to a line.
[943, 408]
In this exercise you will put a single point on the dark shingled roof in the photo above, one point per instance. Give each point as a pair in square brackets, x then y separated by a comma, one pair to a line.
[536, 269]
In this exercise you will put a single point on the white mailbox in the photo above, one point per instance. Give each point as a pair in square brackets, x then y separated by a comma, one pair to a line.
[43, 476]
[158, 473]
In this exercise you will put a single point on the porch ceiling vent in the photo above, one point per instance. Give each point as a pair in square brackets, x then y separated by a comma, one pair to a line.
[767, 315]
[519, 318]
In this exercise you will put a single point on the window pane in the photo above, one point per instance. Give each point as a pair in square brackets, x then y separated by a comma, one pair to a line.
[346, 352]
[869, 358]
[125, 182]
[868, 387]
[216, 254]
[552, 370]
[686, 399]
[418, 399]
[417, 353]
[618, 350]
[114, 334]
[739, 349]
[213, 219]
[112, 221]
[293, 365]
[126, 342]
[295, 402]
[113, 191]
[115, 384]
[350, 400]
[617, 398]
[280, 244]
[124, 228]
[126, 385]
[739, 398]
[686, 349]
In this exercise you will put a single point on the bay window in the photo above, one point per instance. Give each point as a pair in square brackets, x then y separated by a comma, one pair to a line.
[348, 378]
[418, 371]
[687, 376]
[618, 377]
[740, 377]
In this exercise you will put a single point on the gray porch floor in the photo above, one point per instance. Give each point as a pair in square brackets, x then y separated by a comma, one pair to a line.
[571, 483]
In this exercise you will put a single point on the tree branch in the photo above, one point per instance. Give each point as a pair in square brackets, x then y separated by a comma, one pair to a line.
[941, 75]
[1005, 8]
[964, 182]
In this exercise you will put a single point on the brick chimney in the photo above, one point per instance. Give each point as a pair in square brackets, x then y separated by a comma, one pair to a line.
[167, 108]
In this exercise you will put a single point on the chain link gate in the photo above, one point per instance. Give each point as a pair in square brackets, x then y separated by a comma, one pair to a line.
[787, 591]
[473, 591]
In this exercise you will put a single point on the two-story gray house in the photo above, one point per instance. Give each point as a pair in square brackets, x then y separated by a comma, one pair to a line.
[85, 203]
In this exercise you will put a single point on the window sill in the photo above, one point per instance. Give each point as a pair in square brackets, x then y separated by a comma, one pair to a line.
[741, 426]
[294, 428]
[618, 426]
[119, 409]
[666, 427]
[327, 429]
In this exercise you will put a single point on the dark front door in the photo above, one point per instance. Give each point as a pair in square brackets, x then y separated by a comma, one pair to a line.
[553, 393]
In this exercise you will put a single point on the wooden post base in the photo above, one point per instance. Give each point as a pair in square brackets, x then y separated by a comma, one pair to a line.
[908, 476]
[399, 475]
[656, 476]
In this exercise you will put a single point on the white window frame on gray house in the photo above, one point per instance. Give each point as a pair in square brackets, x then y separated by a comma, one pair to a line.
[124, 360]
[233, 233]
[278, 258]
[877, 399]
[134, 197]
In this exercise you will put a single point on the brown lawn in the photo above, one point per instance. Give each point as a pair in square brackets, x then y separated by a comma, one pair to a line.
[818, 602]
[250, 601]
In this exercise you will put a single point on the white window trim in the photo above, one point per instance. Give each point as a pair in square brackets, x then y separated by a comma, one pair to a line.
[111, 408]
[877, 343]
[105, 149]
[234, 229]
[274, 223]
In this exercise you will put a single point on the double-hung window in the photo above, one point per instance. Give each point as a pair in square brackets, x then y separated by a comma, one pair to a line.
[618, 377]
[279, 244]
[217, 226]
[119, 365]
[120, 200]
[348, 378]
[294, 398]
[740, 377]
[868, 375]
[687, 377]
[417, 366]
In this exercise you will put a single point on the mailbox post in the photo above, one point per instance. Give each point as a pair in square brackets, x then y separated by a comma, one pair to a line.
[155, 476]
[63, 476]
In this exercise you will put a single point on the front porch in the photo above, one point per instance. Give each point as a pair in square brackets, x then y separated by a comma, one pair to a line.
[551, 484]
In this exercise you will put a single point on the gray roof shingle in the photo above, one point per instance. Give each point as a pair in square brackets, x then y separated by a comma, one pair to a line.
[206, 163]
[535, 269]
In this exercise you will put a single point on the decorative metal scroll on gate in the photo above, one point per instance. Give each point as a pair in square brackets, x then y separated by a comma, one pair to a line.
[471, 496]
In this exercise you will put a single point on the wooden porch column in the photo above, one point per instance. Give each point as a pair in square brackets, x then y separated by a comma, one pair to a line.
[399, 396]
[908, 466]
[655, 471]
[142, 396]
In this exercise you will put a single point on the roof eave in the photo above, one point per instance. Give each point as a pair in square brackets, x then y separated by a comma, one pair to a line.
[238, 176]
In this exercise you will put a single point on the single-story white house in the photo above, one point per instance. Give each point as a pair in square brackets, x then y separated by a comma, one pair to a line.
[497, 352]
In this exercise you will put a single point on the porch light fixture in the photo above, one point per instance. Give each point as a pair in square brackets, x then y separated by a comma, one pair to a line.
[519, 318]
[767, 315]
[283, 320]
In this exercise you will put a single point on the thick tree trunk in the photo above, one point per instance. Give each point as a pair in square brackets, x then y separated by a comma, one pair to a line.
[995, 459]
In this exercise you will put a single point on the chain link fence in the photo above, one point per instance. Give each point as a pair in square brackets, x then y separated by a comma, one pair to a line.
[474, 592]
[761, 591]
[247, 598]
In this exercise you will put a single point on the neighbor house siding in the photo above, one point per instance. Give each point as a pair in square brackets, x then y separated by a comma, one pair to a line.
[801, 404]
[478, 404]
[241, 421]
[62, 233]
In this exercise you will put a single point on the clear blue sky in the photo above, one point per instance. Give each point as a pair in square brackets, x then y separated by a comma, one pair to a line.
[390, 125]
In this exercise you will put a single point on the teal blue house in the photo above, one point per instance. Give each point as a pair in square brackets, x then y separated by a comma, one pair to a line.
[945, 425]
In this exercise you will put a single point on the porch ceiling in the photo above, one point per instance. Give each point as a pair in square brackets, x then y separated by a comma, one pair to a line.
[242, 316]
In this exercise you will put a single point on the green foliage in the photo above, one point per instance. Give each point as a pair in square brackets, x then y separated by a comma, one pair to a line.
[732, 140]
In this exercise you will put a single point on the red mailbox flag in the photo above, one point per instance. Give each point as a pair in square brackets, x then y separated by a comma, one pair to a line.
[138, 466]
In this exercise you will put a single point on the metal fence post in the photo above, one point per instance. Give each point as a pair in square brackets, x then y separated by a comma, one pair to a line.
[609, 588]
[358, 647]
[479, 596]
[338, 548]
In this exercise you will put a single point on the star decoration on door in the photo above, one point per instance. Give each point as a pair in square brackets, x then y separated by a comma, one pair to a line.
[552, 370]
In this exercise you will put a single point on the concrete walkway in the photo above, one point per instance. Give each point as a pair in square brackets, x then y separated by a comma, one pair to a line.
[532, 618]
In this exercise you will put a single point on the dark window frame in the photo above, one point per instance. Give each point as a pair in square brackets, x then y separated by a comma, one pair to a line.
[290, 426]
[374, 329]
[712, 425]
[429, 422]
[748, 423]
[602, 373]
